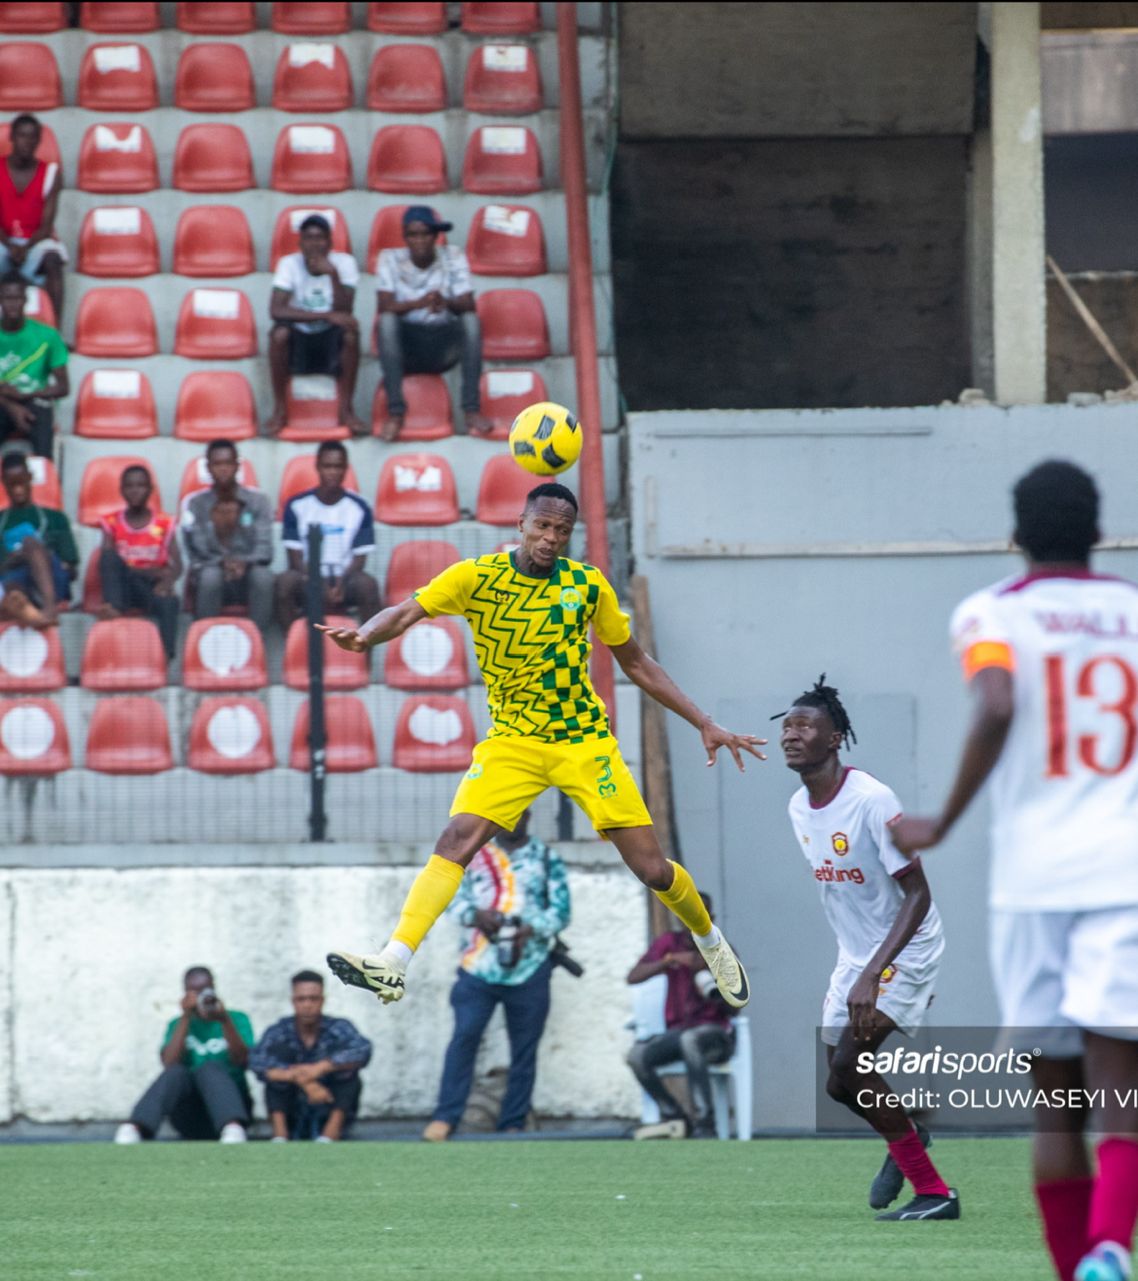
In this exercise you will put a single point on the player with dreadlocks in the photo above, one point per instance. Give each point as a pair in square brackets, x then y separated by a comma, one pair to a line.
[889, 938]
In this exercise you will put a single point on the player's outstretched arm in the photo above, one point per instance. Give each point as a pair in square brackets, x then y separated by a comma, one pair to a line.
[381, 627]
[654, 681]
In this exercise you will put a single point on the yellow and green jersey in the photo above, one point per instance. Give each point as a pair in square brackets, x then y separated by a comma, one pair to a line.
[531, 637]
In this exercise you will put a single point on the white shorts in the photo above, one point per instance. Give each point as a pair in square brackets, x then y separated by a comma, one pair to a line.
[904, 995]
[32, 266]
[1067, 971]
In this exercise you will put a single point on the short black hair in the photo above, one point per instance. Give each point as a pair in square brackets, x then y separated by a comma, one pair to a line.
[331, 447]
[13, 278]
[197, 969]
[318, 221]
[221, 443]
[1056, 511]
[307, 976]
[825, 698]
[135, 467]
[13, 460]
[24, 118]
[551, 490]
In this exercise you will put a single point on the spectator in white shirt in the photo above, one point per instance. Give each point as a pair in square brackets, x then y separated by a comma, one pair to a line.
[427, 321]
[314, 331]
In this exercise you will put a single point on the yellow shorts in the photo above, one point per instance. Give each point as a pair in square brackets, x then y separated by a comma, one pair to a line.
[508, 774]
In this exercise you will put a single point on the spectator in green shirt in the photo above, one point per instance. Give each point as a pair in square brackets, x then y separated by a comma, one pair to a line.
[202, 1090]
[38, 555]
[33, 370]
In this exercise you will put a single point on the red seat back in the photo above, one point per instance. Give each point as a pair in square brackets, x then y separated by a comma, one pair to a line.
[513, 325]
[407, 158]
[506, 240]
[500, 18]
[213, 240]
[25, 17]
[502, 80]
[312, 78]
[216, 17]
[129, 735]
[505, 393]
[115, 322]
[315, 18]
[31, 661]
[286, 231]
[342, 669]
[224, 654]
[311, 158]
[230, 736]
[33, 737]
[502, 491]
[117, 77]
[215, 324]
[349, 739]
[416, 489]
[433, 735]
[29, 78]
[413, 564]
[215, 405]
[429, 656]
[116, 404]
[119, 17]
[428, 414]
[213, 157]
[313, 410]
[214, 77]
[122, 654]
[118, 241]
[39, 307]
[117, 159]
[406, 77]
[408, 18]
[99, 494]
[502, 160]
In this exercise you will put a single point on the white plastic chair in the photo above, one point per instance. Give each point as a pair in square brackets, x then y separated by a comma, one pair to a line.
[648, 1000]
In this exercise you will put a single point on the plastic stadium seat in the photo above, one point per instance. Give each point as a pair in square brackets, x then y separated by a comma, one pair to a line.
[214, 77]
[118, 241]
[502, 160]
[313, 78]
[300, 474]
[224, 655]
[123, 655]
[29, 78]
[349, 740]
[117, 159]
[33, 736]
[417, 489]
[215, 405]
[213, 158]
[115, 322]
[407, 18]
[230, 736]
[502, 80]
[31, 661]
[430, 655]
[406, 77]
[286, 231]
[129, 736]
[502, 491]
[117, 77]
[116, 404]
[433, 735]
[215, 324]
[316, 18]
[217, 17]
[126, 17]
[428, 408]
[505, 393]
[213, 240]
[313, 410]
[48, 150]
[25, 18]
[500, 18]
[195, 477]
[513, 325]
[46, 491]
[342, 669]
[413, 564]
[40, 307]
[407, 158]
[387, 232]
[311, 158]
[99, 489]
[506, 240]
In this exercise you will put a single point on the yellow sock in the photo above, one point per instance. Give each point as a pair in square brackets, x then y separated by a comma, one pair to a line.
[683, 898]
[427, 900]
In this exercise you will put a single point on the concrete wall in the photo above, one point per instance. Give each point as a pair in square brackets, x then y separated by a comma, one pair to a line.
[1075, 361]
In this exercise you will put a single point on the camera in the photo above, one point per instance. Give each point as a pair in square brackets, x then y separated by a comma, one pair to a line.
[560, 955]
[507, 942]
[207, 1002]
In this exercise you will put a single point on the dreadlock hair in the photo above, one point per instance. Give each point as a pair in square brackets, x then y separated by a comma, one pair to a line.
[826, 697]
[1056, 511]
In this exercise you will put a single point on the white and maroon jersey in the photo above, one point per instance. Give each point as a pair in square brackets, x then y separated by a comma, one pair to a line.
[857, 867]
[1065, 790]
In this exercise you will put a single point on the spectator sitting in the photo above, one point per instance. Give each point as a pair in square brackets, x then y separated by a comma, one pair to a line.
[37, 548]
[349, 534]
[202, 1089]
[33, 370]
[229, 551]
[427, 321]
[311, 1068]
[140, 561]
[16, 608]
[314, 331]
[29, 194]
[698, 1033]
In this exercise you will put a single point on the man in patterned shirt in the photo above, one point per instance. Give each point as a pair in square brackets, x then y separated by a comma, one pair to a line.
[530, 611]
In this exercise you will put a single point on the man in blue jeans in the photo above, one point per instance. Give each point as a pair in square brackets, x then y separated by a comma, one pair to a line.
[514, 899]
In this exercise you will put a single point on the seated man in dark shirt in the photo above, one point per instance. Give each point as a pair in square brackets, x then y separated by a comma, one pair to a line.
[311, 1067]
[38, 555]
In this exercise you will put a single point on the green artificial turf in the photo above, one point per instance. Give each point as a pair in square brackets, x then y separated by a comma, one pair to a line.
[590, 1211]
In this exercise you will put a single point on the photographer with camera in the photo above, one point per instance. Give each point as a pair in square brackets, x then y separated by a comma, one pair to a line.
[514, 899]
[202, 1090]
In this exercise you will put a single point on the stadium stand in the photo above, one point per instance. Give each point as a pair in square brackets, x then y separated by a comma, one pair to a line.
[502, 80]
[116, 322]
[514, 326]
[407, 158]
[216, 17]
[215, 324]
[429, 656]
[313, 410]
[212, 158]
[29, 78]
[502, 491]
[387, 232]
[312, 77]
[417, 489]
[428, 415]
[506, 240]
[28, 18]
[124, 17]
[99, 489]
[230, 736]
[129, 735]
[117, 159]
[315, 18]
[506, 392]
[408, 18]
[287, 228]
[434, 734]
[342, 670]
[414, 564]
[502, 160]
[214, 77]
[500, 18]
[311, 158]
[300, 474]
[33, 738]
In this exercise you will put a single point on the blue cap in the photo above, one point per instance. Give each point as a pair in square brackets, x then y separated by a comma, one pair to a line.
[424, 214]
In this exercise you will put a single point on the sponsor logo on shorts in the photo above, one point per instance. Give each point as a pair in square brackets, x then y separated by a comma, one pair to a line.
[841, 843]
[605, 787]
[836, 875]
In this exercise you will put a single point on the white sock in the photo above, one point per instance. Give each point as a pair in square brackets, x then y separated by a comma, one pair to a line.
[708, 940]
[399, 953]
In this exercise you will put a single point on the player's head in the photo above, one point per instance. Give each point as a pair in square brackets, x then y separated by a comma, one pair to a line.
[308, 995]
[1056, 511]
[815, 727]
[546, 523]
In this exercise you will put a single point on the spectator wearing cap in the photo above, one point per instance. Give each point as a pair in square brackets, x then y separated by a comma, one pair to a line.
[314, 331]
[33, 370]
[427, 321]
[29, 194]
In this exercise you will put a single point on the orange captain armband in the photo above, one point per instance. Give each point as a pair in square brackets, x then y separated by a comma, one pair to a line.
[987, 654]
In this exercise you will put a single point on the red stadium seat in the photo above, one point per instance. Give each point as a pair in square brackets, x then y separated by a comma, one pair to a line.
[431, 655]
[117, 159]
[39, 307]
[316, 18]
[513, 325]
[349, 740]
[213, 240]
[286, 231]
[407, 18]
[217, 17]
[300, 474]
[387, 232]
[230, 736]
[506, 240]
[413, 564]
[505, 393]
[215, 324]
[115, 322]
[500, 18]
[311, 158]
[196, 477]
[92, 600]
[312, 78]
[124, 17]
[123, 655]
[433, 735]
[417, 489]
[214, 77]
[29, 78]
[116, 404]
[313, 410]
[406, 77]
[117, 77]
[33, 736]
[99, 494]
[46, 491]
[129, 736]
[213, 158]
[31, 661]
[502, 491]
[26, 18]
[118, 241]
[342, 669]
[407, 158]
[215, 405]
[224, 655]
[428, 408]
[502, 80]
[502, 160]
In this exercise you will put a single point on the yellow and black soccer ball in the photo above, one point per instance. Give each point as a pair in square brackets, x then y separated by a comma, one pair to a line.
[545, 439]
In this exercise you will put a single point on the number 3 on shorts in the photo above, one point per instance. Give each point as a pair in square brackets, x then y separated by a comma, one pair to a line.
[604, 786]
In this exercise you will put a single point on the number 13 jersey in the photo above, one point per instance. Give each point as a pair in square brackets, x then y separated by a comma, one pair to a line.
[1065, 790]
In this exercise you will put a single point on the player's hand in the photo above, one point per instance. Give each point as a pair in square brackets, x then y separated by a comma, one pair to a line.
[488, 921]
[189, 1002]
[346, 637]
[862, 1004]
[911, 835]
[715, 736]
[342, 319]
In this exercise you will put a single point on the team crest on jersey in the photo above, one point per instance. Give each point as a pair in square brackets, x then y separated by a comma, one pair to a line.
[475, 771]
[570, 599]
[841, 843]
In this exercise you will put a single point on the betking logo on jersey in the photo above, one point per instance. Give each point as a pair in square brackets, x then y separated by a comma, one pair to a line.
[835, 875]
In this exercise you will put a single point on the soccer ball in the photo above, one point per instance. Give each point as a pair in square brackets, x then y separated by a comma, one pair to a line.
[545, 439]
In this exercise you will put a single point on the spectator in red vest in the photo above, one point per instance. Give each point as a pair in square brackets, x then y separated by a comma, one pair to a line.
[29, 194]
